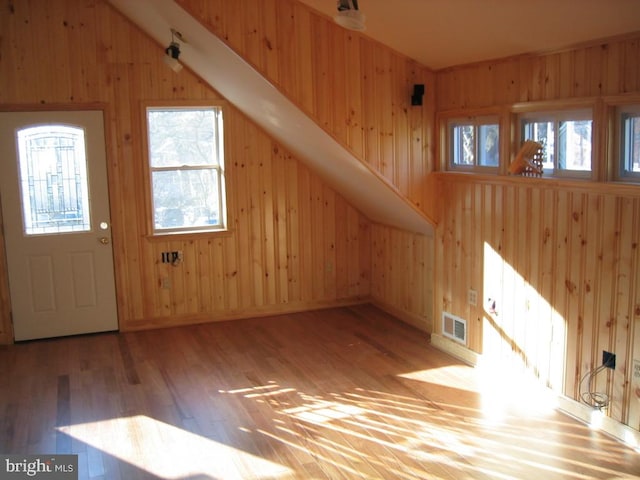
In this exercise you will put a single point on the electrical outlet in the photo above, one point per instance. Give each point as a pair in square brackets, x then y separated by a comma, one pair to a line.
[608, 359]
[174, 258]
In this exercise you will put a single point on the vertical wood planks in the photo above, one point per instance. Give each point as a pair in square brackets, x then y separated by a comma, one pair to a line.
[562, 265]
[610, 68]
[356, 89]
[579, 280]
[627, 219]
[268, 260]
[401, 277]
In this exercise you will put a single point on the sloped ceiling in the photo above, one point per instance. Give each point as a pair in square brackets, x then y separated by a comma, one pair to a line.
[444, 33]
[242, 85]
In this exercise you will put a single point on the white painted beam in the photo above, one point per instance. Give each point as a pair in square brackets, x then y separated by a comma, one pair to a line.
[243, 86]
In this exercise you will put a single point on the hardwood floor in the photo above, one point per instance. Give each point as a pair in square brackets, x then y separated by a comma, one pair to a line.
[335, 394]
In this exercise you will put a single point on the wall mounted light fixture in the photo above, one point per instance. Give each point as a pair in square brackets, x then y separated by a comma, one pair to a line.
[349, 16]
[172, 52]
[416, 96]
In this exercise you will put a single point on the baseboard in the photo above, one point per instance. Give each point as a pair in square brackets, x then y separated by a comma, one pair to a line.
[455, 349]
[267, 311]
[417, 321]
[581, 412]
[599, 421]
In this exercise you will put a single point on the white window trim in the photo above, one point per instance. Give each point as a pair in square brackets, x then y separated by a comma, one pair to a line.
[219, 167]
[620, 174]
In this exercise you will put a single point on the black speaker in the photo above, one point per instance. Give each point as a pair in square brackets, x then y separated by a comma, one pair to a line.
[418, 92]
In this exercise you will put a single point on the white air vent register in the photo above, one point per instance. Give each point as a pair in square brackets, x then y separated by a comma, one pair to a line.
[454, 327]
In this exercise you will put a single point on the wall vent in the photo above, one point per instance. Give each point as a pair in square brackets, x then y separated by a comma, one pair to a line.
[454, 327]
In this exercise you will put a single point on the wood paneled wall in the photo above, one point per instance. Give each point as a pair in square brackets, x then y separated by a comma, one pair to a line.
[609, 68]
[359, 92]
[402, 274]
[293, 242]
[559, 258]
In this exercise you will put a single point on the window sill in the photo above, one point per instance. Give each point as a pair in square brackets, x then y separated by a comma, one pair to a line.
[616, 187]
[186, 235]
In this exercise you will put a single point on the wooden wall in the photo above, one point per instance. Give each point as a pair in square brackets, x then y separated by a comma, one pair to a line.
[560, 258]
[293, 242]
[608, 68]
[402, 274]
[359, 92]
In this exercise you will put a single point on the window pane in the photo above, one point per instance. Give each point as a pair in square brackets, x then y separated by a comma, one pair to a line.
[631, 142]
[186, 198]
[488, 142]
[574, 145]
[542, 132]
[183, 137]
[463, 145]
[53, 180]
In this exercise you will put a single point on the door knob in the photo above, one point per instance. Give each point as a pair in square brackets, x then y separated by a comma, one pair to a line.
[104, 240]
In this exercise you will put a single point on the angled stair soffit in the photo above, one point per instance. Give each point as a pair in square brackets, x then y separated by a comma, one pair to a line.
[256, 97]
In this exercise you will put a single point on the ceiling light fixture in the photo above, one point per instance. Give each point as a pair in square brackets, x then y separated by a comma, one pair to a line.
[349, 16]
[172, 52]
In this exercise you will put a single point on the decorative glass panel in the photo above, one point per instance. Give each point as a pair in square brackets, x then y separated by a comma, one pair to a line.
[53, 180]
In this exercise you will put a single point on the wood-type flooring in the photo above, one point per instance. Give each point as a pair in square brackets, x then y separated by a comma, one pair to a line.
[348, 393]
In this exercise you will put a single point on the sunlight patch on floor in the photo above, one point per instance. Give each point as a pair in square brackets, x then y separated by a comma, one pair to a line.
[322, 411]
[498, 393]
[170, 452]
[451, 376]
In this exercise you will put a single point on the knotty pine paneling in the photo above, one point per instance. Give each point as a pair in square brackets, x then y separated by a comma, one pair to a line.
[554, 269]
[359, 92]
[293, 242]
[559, 259]
[402, 274]
[356, 89]
[609, 68]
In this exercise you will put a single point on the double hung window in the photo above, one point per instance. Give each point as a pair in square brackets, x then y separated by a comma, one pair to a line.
[186, 165]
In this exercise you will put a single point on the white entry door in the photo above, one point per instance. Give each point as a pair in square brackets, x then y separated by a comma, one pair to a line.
[53, 188]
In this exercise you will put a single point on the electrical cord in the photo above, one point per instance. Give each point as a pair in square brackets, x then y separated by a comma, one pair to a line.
[594, 399]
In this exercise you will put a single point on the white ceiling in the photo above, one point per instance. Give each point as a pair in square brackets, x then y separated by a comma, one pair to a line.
[444, 33]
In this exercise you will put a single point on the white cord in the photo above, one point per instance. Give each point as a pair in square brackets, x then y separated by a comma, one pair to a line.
[594, 399]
